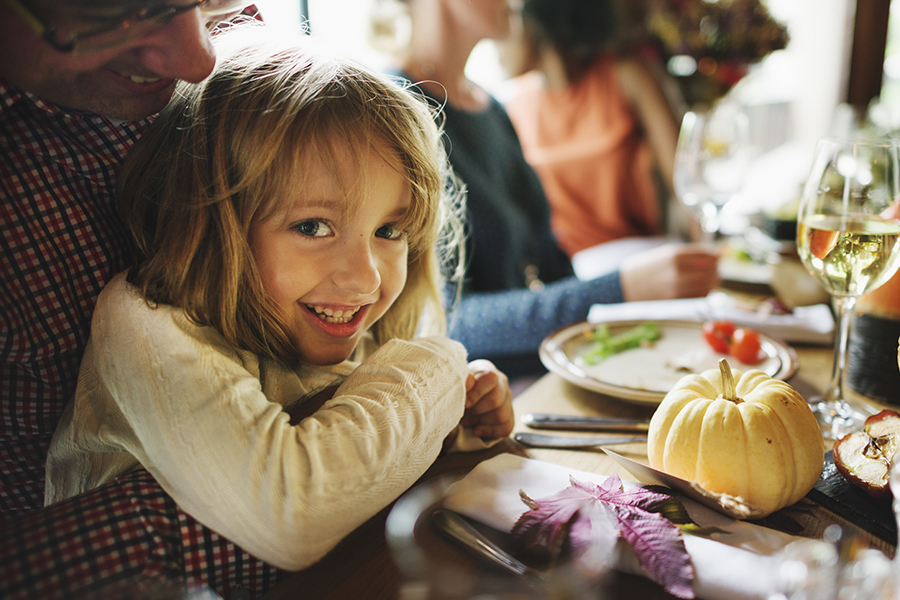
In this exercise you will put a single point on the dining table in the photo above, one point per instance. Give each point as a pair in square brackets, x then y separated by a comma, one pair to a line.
[363, 565]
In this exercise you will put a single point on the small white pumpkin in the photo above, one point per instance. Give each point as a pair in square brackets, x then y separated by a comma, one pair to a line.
[742, 435]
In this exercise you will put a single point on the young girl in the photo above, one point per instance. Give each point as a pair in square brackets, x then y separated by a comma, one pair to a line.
[287, 210]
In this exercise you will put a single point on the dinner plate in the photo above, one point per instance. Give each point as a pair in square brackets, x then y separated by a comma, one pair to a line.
[644, 375]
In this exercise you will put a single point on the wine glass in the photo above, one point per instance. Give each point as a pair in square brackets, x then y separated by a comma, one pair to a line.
[711, 162]
[848, 233]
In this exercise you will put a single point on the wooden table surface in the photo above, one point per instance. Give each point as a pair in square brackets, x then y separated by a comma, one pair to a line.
[363, 567]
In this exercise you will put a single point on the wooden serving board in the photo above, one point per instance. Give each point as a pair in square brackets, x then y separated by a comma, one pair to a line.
[835, 493]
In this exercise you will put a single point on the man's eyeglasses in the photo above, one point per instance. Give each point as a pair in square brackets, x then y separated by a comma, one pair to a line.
[91, 32]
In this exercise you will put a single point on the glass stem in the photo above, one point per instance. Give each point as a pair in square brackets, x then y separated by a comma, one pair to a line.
[709, 222]
[844, 307]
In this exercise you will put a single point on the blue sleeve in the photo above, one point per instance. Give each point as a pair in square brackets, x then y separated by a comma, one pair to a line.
[515, 322]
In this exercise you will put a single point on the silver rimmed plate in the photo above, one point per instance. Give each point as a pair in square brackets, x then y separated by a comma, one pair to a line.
[644, 375]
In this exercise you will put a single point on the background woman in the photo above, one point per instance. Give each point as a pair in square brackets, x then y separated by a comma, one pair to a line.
[519, 284]
[594, 122]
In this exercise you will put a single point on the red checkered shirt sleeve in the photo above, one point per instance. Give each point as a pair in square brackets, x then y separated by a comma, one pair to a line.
[126, 540]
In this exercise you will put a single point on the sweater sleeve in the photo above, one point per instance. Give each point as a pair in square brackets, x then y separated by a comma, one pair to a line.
[183, 403]
[501, 324]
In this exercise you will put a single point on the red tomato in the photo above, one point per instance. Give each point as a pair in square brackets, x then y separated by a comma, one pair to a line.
[746, 347]
[718, 335]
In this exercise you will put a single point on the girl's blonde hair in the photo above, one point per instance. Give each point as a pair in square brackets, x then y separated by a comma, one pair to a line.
[224, 152]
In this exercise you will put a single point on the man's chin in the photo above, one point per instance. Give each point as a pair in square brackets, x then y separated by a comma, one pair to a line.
[118, 107]
[132, 109]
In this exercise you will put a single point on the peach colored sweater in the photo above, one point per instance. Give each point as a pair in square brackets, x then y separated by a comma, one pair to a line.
[590, 153]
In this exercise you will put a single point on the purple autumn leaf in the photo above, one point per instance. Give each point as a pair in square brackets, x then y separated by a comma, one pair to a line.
[580, 518]
[659, 548]
[561, 521]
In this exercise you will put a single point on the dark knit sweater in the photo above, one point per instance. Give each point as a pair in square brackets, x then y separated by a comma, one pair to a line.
[499, 317]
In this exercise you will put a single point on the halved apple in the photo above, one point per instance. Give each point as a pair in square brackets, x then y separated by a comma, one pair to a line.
[864, 457]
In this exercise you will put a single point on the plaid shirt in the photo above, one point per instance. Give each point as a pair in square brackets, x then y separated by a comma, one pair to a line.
[63, 240]
[126, 540]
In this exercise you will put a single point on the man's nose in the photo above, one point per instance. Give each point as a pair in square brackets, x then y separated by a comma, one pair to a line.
[182, 49]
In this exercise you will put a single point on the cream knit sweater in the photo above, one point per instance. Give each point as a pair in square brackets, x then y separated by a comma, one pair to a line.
[208, 422]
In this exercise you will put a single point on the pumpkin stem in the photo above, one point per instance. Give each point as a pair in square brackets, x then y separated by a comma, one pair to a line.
[728, 391]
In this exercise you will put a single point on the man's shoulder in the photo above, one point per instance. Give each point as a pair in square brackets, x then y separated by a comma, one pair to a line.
[12, 96]
[45, 145]
[9, 95]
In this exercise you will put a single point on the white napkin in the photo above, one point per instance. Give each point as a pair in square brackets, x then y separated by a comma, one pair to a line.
[738, 565]
[807, 324]
[607, 257]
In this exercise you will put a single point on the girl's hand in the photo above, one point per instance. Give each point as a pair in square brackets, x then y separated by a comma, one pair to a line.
[488, 401]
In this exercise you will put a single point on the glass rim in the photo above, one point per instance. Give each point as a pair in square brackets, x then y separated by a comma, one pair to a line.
[860, 140]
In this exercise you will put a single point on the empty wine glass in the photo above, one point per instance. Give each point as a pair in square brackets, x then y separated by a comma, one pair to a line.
[848, 235]
[711, 162]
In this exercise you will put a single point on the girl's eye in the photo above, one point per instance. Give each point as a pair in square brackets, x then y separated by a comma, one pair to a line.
[312, 228]
[389, 232]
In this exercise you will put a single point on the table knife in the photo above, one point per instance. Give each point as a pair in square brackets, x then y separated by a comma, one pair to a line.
[541, 440]
[584, 423]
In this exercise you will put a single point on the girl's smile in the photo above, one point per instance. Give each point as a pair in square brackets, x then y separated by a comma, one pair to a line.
[333, 258]
[339, 323]
[338, 316]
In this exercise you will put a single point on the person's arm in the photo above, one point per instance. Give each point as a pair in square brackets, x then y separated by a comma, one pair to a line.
[514, 322]
[196, 418]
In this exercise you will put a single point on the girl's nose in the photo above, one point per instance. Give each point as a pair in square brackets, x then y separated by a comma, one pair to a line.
[357, 270]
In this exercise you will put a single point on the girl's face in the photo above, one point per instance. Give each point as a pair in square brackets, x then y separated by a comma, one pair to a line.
[335, 272]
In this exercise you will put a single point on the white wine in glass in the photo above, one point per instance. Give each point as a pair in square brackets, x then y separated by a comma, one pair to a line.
[711, 162]
[848, 235]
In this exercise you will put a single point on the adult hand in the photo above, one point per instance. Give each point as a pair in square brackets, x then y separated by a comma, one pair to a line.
[488, 401]
[670, 271]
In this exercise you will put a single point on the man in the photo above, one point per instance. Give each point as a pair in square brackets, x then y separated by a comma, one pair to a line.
[120, 70]
[78, 81]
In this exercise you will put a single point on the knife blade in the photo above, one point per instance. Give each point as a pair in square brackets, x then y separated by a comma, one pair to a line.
[733, 506]
[542, 440]
[584, 423]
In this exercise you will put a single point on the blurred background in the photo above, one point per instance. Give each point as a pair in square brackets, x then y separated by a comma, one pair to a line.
[840, 67]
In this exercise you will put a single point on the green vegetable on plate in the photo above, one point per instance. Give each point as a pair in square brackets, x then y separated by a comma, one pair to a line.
[606, 344]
